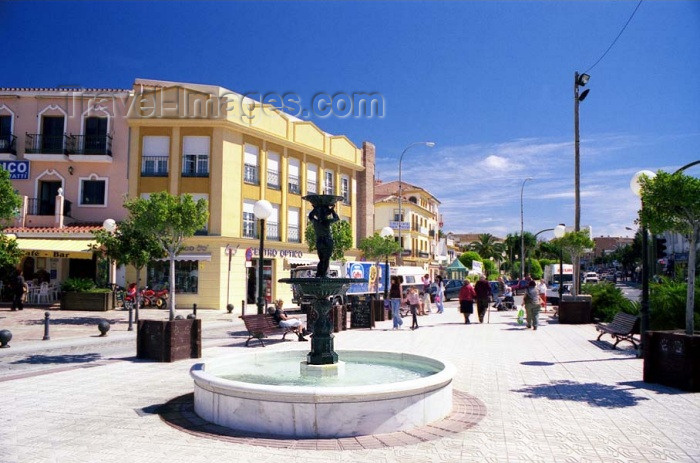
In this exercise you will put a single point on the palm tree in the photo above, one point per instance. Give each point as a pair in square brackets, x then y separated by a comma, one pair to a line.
[487, 246]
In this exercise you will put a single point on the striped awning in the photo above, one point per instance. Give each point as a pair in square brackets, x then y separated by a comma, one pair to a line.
[56, 248]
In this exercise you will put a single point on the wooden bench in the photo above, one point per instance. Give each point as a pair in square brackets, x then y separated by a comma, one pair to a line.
[262, 325]
[622, 328]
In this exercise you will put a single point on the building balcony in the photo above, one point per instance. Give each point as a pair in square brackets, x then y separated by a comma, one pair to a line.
[293, 234]
[39, 147]
[154, 166]
[43, 212]
[8, 147]
[250, 174]
[90, 148]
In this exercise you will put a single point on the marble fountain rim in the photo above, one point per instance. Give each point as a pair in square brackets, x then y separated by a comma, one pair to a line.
[205, 378]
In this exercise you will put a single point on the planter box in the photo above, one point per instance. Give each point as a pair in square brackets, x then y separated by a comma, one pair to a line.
[169, 340]
[575, 310]
[98, 302]
[672, 358]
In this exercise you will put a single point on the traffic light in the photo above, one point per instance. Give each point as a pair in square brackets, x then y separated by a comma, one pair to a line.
[660, 248]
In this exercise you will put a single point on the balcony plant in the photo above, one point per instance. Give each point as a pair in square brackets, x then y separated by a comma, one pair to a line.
[83, 294]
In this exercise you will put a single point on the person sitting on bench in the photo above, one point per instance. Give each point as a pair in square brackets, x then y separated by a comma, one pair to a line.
[290, 323]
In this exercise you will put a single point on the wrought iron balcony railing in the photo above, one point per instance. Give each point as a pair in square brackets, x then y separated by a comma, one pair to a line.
[37, 206]
[293, 234]
[91, 144]
[273, 179]
[194, 165]
[8, 144]
[154, 166]
[311, 187]
[272, 231]
[36, 143]
[294, 187]
[250, 174]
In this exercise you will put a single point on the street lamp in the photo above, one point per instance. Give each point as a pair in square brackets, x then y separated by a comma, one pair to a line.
[539, 233]
[262, 210]
[522, 237]
[559, 232]
[429, 144]
[580, 80]
[387, 232]
[636, 188]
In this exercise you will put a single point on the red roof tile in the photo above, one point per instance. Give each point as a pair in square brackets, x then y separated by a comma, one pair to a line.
[82, 228]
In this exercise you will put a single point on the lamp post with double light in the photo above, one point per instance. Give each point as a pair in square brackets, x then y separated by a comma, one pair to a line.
[429, 144]
[387, 233]
[262, 210]
[636, 188]
[522, 236]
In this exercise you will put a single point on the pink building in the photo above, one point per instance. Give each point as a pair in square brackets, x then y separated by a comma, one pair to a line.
[67, 154]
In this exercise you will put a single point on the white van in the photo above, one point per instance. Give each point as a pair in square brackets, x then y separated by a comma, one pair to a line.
[412, 276]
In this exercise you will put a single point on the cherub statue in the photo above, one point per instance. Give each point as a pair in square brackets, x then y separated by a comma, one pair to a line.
[322, 217]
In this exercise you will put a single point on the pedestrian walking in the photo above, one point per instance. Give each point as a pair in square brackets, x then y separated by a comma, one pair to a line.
[542, 291]
[532, 305]
[439, 294]
[425, 307]
[483, 292]
[466, 300]
[414, 303]
[395, 299]
[18, 289]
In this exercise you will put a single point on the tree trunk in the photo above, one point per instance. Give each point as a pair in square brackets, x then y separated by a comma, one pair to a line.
[171, 289]
[137, 296]
[690, 299]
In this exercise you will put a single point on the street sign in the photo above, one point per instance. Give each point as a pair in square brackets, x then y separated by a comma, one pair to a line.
[395, 224]
[19, 170]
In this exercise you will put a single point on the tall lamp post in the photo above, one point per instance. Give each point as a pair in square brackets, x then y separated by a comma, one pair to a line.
[387, 232]
[580, 80]
[429, 144]
[559, 232]
[262, 210]
[636, 188]
[522, 237]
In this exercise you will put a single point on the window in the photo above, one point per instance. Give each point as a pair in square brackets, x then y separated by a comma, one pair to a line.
[345, 189]
[311, 179]
[196, 197]
[293, 235]
[328, 187]
[272, 224]
[195, 157]
[398, 218]
[186, 275]
[154, 161]
[250, 165]
[95, 140]
[248, 219]
[93, 191]
[273, 170]
[293, 174]
[7, 140]
[52, 134]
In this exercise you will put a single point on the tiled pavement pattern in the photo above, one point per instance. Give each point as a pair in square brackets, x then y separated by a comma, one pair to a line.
[550, 395]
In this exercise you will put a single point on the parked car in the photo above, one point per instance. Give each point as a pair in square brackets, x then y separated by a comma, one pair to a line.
[553, 292]
[452, 288]
[590, 277]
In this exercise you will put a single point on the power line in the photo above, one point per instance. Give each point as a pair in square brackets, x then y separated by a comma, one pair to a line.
[618, 36]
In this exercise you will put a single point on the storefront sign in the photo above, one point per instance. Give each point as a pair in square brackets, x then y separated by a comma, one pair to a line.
[270, 252]
[58, 254]
[193, 248]
[19, 170]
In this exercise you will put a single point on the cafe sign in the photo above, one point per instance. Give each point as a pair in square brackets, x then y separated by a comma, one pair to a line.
[58, 254]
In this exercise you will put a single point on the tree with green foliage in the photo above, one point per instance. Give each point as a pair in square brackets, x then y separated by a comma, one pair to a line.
[671, 202]
[129, 245]
[376, 247]
[10, 202]
[466, 258]
[486, 246]
[342, 238]
[169, 220]
[574, 244]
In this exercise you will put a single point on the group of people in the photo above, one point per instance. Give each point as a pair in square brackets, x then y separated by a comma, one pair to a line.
[419, 302]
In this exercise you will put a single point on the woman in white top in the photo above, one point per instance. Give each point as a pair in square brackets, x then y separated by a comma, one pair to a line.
[542, 290]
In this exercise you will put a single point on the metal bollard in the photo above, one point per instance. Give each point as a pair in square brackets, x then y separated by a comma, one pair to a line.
[229, 308]
[194, 310]
[242, 307]
[5, 338]
[46, 327]
[131, 318]
[103, 326]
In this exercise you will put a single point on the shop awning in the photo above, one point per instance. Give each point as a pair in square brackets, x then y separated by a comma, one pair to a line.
[191, 256]
[56, 248]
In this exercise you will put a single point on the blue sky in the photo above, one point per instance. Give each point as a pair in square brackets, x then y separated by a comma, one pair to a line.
[490, 82]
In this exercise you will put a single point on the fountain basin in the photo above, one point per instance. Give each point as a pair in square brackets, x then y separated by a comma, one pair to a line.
[319, 411]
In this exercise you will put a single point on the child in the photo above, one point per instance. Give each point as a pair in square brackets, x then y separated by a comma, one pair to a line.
[414, 302]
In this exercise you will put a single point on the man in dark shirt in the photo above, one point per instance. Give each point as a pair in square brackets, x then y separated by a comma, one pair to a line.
[483, 292]
[285, 321]
[18, 292]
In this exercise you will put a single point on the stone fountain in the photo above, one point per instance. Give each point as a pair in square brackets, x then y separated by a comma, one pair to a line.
[302, 395]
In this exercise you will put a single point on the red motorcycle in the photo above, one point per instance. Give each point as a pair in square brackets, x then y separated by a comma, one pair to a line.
[155, 298]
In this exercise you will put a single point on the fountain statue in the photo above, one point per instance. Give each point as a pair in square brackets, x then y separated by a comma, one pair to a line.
[281, 393]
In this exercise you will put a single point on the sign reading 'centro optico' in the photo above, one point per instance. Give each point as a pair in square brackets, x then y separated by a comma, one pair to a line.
[19, 170]
[269, 252]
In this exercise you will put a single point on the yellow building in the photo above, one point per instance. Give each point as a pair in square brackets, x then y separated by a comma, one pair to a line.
[233, 151]
[420, 221]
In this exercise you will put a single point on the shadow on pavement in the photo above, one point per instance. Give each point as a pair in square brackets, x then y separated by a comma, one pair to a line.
[653, 387]
[75, 321]
[595, 394]
[57, 359]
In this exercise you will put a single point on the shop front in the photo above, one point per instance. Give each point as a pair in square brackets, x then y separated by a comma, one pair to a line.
[55, 260]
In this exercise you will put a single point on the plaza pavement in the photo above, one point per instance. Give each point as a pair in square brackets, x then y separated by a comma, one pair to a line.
[554, 394]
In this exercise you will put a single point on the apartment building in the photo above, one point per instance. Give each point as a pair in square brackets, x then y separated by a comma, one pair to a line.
[67, 154]
[215, 144]
[418, 219]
